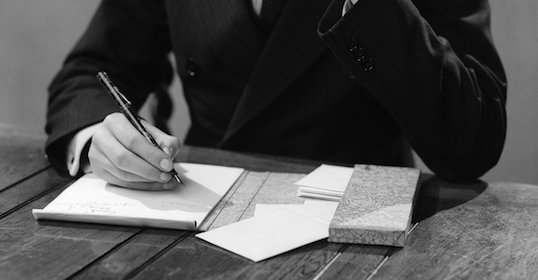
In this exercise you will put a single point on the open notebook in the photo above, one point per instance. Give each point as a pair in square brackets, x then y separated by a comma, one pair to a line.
[92, 200]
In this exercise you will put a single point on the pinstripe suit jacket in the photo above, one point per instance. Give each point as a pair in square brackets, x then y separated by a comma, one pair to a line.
[362, 88]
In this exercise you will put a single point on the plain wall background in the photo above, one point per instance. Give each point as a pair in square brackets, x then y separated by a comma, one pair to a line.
[35, 36]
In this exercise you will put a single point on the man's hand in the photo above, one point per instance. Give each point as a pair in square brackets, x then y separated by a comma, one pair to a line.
[120, 155]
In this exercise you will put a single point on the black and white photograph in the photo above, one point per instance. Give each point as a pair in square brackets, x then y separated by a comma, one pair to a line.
[269, 139]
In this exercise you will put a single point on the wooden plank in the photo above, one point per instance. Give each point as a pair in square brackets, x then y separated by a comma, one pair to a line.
[278, 188]
[355, 262]
[21, 155]
[28, 189]
[479, 231]
[257, 187]
[50, 249]
[196, 259]
[232, 207]
[127, 257]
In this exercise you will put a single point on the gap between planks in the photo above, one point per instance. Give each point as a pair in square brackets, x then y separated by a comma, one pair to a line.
[104, 255]
[145, 264]
[387, 256]
[254, 196]
[34, 198]
[372, 274]
[380, 264]
[331, 261]
[25, 178]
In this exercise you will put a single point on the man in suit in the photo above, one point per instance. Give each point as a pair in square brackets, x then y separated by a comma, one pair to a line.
[330, 80]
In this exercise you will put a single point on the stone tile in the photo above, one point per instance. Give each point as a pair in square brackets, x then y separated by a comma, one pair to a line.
[376, 206]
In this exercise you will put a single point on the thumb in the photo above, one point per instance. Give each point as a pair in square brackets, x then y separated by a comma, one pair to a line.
[168, 143]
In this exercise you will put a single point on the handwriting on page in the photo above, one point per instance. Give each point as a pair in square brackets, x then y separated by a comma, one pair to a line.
[91, 199]
[113, 208]
[98, 208]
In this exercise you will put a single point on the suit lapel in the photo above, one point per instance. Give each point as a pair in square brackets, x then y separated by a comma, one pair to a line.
[290, 50]
[232, 33]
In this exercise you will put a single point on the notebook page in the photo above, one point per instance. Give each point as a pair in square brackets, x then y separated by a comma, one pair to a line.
[91, 199]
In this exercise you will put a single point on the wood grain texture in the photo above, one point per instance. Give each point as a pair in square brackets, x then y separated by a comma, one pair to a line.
[376, 206]
[21, 154]
[49, 249]
[27, 190]
[278, 188]
[131, 255]
[478, 231]
[196, 259]
[355, 262]
[232, 207]
[254, 188]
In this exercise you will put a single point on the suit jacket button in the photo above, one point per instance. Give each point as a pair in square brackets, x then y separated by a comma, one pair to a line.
[359, 56]
[368, 65]
[191, 68]
[352, 44]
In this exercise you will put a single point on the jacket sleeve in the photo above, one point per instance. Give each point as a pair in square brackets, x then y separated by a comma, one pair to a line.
[126, 38]
[433, 66]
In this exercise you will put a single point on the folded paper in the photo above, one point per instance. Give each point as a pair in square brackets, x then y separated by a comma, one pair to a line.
[326, 182]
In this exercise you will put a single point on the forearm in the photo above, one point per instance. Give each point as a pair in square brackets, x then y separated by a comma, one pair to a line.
[440, 78]
[129, 40]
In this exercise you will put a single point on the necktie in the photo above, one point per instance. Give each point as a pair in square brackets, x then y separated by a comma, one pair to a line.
[271, 10]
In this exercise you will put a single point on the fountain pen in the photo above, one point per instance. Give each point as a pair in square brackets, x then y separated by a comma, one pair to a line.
[125, 105]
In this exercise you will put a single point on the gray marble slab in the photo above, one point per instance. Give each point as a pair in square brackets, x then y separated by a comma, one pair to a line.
[376, 207]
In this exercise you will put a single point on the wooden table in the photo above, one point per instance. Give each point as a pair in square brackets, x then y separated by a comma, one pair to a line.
[479, 230]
